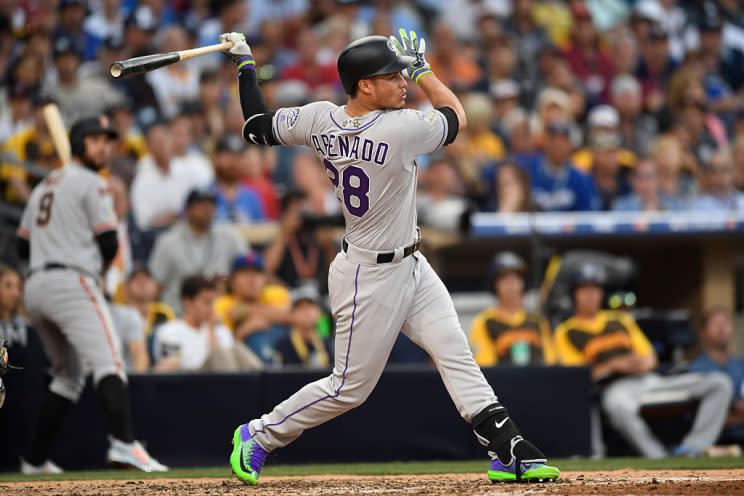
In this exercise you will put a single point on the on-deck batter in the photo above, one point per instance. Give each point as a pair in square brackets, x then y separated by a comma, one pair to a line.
[68, 230]
[379, 284]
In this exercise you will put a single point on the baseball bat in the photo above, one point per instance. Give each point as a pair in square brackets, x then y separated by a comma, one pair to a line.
[140, 65]
[57, 131]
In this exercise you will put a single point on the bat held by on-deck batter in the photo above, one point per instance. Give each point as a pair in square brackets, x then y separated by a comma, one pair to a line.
[140, 65]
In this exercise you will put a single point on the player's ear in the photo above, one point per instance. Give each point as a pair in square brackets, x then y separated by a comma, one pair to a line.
[365, 86]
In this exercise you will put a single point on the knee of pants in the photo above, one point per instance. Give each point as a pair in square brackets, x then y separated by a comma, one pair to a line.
[353, 394]
[616, 404]
[102, 372]
[68, 387]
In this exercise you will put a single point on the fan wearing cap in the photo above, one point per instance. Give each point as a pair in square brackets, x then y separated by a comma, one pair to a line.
[255, 310]
[194, 246]
[235, 202]
[557, 185]
[604, 120]
[303, 346]
[506, 333]
[622, 361]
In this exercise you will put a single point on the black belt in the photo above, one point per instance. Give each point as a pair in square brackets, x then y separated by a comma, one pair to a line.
[388, 256]
[59, 266]
[56, 266]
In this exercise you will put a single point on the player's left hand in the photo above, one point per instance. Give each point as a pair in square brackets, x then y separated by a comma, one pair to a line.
[240, 52]
[413, 46]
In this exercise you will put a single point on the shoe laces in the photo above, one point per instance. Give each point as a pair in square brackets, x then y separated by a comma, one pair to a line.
[257, 456]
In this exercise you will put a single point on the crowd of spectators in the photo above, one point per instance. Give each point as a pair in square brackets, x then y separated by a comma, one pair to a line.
[575, 105]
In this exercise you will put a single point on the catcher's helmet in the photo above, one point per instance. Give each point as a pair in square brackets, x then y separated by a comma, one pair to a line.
[369, 56]
[87, 127]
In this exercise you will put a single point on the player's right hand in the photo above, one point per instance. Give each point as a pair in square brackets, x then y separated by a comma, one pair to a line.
[240, 52]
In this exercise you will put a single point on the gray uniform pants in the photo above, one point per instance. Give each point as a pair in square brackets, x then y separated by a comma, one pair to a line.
[74, 323]
[623, 399]
[372, 303]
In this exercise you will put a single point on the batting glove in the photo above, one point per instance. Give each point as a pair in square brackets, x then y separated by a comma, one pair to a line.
[240, 52]
[412, 46]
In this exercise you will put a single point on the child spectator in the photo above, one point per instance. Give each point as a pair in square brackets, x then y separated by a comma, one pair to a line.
[303, 345]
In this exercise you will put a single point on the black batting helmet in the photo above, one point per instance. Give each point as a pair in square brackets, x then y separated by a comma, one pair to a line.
[589, 274]
[87, 127]
[503, 262]
[369, 56]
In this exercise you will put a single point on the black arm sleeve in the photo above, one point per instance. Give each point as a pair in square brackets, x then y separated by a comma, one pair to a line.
[108, 244]
[23, 248]
[453, 124]
[258, 119]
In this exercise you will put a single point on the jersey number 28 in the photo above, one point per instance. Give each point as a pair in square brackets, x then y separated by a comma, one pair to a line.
[355, 187]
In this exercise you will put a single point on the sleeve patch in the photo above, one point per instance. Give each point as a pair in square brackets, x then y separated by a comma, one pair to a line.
[431, 117]
[292, 117]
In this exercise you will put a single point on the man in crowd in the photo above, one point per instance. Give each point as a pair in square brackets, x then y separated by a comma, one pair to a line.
[197, 341]
[235, 202]
[622, 362]
[717, 343]
[194, 246]
[556, 183]
[506, 333]
[720, 191]
[256, 311]
[303, 345]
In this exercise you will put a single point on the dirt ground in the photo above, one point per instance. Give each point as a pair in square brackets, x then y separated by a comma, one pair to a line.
[620, 482]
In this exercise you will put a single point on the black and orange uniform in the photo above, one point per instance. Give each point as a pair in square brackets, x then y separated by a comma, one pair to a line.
[519, 339]
[25, 145]
[608, 335]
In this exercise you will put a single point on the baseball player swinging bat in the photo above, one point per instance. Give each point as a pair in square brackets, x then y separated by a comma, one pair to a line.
[140, 65]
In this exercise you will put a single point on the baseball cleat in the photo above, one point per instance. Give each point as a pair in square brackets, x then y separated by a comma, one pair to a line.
[46, 468]
[132, 455]
[526, 472]
[247, 457]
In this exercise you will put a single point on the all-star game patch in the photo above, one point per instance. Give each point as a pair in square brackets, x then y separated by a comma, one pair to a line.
[429, 117]
[294, 114]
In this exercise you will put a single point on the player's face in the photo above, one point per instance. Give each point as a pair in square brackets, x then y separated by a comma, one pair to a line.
[10, 292]
[510, 287]
[389, 91]
[588, 298]
[97, 149]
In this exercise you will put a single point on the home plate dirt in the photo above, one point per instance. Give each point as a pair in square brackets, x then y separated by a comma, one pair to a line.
[619, 482]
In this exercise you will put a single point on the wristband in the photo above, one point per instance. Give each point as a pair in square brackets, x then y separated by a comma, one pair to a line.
[245, 61]
[418, 73]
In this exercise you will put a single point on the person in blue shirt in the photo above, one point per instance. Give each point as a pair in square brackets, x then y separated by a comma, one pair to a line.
[557, 185]
[717, 342]
[646, 196]
[234, 201]
[721, 194]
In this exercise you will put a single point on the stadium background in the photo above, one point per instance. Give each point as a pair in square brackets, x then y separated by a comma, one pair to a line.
[651, 82]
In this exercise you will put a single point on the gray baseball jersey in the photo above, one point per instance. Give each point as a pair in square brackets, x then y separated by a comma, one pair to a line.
[64, 214]
[371, 162]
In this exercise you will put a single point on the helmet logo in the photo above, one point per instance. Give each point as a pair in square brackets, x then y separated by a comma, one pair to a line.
[391, 46]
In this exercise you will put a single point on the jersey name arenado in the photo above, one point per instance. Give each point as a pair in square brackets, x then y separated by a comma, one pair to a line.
[371, 162]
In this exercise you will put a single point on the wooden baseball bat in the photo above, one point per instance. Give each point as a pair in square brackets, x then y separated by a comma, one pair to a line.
[57, 131]
[140, 65]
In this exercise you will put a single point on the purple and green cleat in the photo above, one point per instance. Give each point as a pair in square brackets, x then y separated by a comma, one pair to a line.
[247, 457]
[526, 472]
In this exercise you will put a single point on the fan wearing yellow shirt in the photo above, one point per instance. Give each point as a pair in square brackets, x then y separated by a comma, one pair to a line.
[507, 334]
[254, 310]
[622, 361]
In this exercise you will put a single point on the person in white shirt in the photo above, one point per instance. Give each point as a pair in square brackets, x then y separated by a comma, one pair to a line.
[162, 182]
[185, 152]
[198, 342]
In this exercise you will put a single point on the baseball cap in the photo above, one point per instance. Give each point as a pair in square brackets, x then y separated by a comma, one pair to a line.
[504, 88]
[113, 43]
[554, 96]
[624, 84]
[710, 23]
[249, 260]
[603, 116]
[589, 274]
[657, 33]
[507, 261]
[649, 10]
[230, 143]
[93, 125]
[200, 194]
[142, 18]
[305, 294]
[65, 46]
